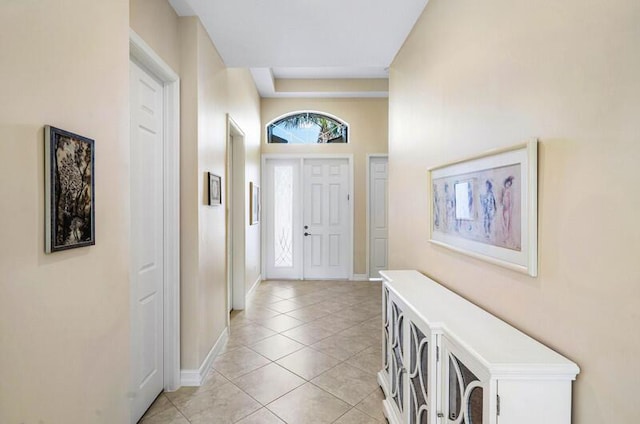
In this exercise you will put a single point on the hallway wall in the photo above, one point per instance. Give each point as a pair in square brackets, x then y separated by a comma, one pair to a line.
[209, 91]
[367, 119]
[477, 76]
[64, 317]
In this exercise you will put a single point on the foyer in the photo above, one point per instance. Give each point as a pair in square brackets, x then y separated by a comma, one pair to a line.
[302, 352]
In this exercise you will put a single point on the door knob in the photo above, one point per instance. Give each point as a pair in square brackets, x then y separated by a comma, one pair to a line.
[306, 234]
[306, 227]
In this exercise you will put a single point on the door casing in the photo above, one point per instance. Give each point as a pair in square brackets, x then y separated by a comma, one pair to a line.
[235, 203]
[144, 55]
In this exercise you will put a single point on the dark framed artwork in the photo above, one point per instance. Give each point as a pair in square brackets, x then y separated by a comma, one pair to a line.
[215, 189]
[69, 190]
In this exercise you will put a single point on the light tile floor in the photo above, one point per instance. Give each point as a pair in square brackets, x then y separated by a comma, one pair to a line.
[303, 352]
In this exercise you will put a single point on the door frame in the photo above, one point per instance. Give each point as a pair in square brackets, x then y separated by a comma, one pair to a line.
[368, 207]
[235, 236]
[142, 53]
[301, 157]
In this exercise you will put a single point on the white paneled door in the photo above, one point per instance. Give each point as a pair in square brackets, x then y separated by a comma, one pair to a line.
[147, 265]
[308, 225]
[326, 219]
[378, 225]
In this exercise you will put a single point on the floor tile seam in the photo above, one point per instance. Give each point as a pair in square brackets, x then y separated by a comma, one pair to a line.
[280, 357]
[331, 394]
[145, 416]
[346, 412]
[254, 340]
[296, 326]
[363, 410]
[264, 405]
[176, 408]
[230, 380]
[360, 368]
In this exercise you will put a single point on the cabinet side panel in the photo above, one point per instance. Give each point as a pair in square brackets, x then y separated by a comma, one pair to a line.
[535, 402]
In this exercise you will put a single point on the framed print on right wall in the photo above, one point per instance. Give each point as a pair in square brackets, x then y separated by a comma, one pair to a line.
[486, 206]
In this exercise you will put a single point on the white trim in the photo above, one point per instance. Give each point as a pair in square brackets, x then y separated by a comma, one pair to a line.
[368, 205]
[359, 277]
[238, 258]
[143, 54]
[254, 286]
[302, 157]
[195, 378]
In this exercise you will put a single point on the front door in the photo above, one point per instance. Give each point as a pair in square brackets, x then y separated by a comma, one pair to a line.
[326, 218]
[147, 239]
[308, 218]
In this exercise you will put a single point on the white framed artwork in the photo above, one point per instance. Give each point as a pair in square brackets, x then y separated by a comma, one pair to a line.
[486, 206]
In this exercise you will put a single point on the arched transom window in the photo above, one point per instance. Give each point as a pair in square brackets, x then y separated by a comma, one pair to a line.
[307, 128]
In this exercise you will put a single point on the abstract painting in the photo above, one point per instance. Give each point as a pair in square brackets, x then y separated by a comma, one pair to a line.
[69, 190]
[486, 206]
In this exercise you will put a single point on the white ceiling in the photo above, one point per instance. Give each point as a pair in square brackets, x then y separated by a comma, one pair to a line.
[307, 38]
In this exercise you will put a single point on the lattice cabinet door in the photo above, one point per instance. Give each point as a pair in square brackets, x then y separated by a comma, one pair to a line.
[386, 333]
[397, 366]
[420, 355]
[466, 388]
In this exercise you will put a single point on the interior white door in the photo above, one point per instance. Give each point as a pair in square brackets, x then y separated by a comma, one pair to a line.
[378, 224]
[326, 222]
[284, 236]
[146, 103]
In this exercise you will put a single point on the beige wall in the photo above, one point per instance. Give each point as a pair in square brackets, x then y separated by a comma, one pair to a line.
[476, 76]
[367, 120]
[156, 22]
[64, 317]
[209, 92]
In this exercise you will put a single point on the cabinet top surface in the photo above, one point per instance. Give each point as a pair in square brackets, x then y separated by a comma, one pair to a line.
[501, 348]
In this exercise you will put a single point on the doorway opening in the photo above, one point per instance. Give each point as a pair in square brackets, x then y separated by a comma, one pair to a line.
[235, 213]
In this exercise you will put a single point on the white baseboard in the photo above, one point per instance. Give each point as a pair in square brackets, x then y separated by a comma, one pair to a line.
[359, 277]
[254, 286]
[194, 378]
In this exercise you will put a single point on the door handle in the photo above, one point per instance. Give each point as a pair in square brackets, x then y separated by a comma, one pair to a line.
[306, 234]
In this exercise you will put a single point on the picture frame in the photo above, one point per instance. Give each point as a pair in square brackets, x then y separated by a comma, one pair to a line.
[215, 189]
[486, 206]
[69, 190]
[254, 204]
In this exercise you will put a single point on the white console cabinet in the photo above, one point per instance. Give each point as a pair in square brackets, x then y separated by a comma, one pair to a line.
[447, 361]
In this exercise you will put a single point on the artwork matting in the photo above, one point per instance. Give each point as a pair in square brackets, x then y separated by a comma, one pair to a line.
[254, 204]
[69, 190]
[486, 206]
[215, 189]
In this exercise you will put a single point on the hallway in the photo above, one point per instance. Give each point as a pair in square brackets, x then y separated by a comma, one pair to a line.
[302, 352]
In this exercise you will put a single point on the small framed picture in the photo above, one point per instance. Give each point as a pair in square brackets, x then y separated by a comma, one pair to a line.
[254, 204]
[69, 190]
[215, 190]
